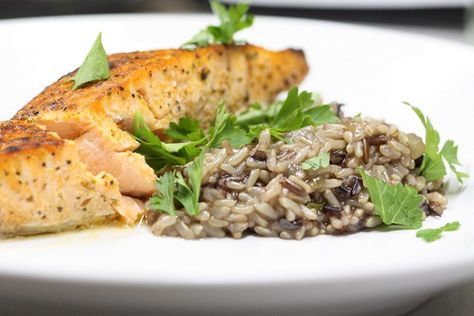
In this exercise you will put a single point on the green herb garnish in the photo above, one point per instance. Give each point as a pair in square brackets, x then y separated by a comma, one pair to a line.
[95, 67]
[296, 111]
[450, 154]
[225, 128]
[320, 161]
[432, 167]
[232, 20]
[163, 199]
[158, 154]
[432, 234]
[395, 204]
[172, 188]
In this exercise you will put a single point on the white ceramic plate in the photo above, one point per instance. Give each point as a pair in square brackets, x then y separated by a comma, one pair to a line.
[370, 70]
[361, 4]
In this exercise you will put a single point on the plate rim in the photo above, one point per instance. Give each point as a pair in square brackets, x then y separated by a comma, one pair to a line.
[461, 262]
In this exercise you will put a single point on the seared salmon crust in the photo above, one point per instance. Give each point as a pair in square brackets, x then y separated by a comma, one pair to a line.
[45, 188]
[66, 158]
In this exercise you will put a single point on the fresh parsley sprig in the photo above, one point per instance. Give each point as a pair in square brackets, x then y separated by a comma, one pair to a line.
[172, 189]
[395, 204]
[160, 155]
[95, 67]
[232, 20]
[296, 111]
[433, 167]
[433, 234]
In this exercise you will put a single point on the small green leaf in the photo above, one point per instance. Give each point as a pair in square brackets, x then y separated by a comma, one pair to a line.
[450, 154]
[157, 154]
[184, 194]
[320, 161]
[163, 199]
[432, 167]
[395, 204]
[290, 116]
[432, 234]
[95, 67]
[321, 114]
[232, 20]
[187, 130]
[195, 171]
[224, 127]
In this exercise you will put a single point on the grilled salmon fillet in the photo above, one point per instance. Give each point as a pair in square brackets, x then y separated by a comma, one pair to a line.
[44, 187]
[66, 158]
[163, 85]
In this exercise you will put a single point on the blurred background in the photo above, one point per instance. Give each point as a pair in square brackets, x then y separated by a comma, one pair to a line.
[451, 19]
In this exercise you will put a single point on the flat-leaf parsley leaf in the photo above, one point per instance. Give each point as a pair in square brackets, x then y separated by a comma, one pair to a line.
[432, 167]
[320, 161]
[432, 234]
[395, 204]
[232, 20]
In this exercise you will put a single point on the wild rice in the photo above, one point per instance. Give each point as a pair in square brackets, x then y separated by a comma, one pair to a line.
[262, 189]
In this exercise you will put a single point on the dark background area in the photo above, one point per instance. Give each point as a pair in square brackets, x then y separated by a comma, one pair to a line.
[437, 18]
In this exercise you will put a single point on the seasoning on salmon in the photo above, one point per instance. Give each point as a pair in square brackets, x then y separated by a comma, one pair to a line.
[163, 85]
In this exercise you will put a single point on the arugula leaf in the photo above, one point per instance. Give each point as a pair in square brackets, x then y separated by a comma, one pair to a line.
[432, 167]
[320, 161]
[163, 199]
[432, 234]
[232, 20]
[95, 67]
[450, 154]
[395, 204]
[224, 127]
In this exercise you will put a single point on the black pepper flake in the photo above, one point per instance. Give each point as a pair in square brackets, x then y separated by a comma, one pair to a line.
[57, 168]
[68, 162]
[133, 95]
[204, 73]
[17, 173]
[60, 209]
[43, 164]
